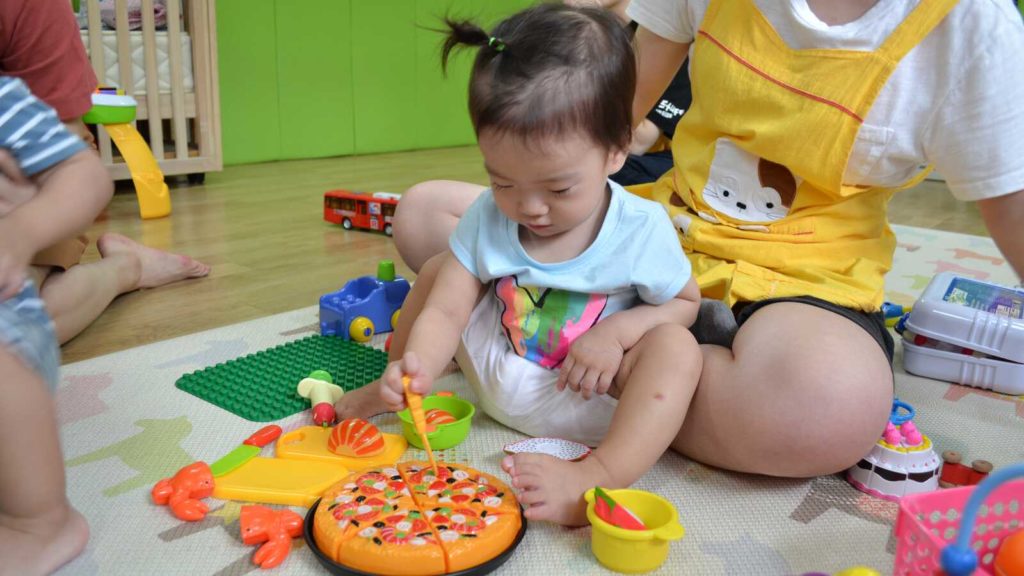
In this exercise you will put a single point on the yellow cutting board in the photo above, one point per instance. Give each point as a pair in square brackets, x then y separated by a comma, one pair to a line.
[279, 481]
[310, 443]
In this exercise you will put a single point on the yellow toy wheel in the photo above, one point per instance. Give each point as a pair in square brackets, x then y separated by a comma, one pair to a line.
[361, 329]
[394, 319]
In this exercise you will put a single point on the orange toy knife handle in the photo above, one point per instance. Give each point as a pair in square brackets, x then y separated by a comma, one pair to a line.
[263, 436]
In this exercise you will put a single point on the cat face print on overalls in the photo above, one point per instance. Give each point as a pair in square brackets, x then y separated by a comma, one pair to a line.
[747, 188]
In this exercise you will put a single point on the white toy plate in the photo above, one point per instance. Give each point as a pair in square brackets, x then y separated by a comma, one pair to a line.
[557, 447]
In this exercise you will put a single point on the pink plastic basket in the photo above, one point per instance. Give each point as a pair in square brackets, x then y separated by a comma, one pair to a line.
[928, 522]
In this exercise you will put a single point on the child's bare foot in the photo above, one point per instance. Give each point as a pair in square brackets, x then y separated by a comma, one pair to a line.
[361, 402]
[552, 489]
[156, 267]
[41, 545]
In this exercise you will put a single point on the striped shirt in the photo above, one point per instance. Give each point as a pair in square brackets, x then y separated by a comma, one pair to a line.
[31, 131]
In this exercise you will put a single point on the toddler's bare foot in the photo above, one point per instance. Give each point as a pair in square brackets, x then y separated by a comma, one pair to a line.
[41, 545]
[552, 489]
[156, 267]
[361, 402]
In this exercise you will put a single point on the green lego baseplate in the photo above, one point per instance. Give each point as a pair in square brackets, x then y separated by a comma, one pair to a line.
[261, 386]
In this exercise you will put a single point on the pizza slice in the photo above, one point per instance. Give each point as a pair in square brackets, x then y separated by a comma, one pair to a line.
[475, 515]
[370, 522]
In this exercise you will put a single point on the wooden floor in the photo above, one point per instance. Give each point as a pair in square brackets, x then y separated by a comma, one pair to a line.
[261, 228]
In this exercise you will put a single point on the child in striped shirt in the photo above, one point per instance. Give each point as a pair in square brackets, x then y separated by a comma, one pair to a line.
[63, 188]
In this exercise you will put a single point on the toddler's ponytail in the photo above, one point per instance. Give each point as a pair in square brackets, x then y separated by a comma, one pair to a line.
[464, 32]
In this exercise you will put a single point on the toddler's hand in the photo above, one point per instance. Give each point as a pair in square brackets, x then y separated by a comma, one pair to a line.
[391, 390]
[591, 364]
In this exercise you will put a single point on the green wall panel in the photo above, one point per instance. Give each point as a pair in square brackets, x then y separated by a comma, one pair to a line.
[384, 74]
[247, 66]
[335, 77]
[314, 64]
[442, 119]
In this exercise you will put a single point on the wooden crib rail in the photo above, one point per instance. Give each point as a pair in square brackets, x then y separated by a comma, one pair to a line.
[181, 126]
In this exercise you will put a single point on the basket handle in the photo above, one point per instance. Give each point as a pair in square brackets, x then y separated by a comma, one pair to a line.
[958, 559]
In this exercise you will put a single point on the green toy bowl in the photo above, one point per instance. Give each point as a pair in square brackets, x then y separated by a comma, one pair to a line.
[446, 435]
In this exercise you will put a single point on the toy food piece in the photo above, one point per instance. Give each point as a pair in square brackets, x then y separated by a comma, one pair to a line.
[182, 492]
[1010, 558]
[435, 417]
[616, 514]
[274, 527]
[415, 402]
[557, 447]
[355, 437]
[409, 520]
[956, 474]
[322, 394]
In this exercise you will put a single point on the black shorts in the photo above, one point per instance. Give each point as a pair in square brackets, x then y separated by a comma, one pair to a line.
[872, 322]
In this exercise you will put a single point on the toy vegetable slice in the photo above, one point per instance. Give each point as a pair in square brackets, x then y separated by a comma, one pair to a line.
[616, 514]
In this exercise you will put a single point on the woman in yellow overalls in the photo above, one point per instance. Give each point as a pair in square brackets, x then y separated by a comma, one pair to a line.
[773, 228]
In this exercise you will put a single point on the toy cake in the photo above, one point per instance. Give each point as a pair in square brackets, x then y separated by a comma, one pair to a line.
[902, 462]
[407, 520]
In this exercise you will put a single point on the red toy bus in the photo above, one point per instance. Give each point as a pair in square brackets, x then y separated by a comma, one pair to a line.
[360, 209]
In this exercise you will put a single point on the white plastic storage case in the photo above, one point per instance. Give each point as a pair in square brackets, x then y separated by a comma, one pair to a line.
[970, 314]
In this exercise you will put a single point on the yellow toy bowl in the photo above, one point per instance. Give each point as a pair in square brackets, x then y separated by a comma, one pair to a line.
[634, 551]
[446, 435]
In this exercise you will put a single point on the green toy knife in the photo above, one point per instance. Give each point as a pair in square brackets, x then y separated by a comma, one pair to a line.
[247, 451]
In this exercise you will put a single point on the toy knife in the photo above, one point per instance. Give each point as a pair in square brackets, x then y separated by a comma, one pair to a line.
[247, 451]
[415, 402]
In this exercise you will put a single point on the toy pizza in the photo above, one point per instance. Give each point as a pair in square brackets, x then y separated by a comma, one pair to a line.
[407, 520]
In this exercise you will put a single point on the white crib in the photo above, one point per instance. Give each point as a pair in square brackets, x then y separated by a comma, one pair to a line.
[172, 74]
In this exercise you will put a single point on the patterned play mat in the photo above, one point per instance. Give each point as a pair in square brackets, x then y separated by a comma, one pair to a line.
[125, 426]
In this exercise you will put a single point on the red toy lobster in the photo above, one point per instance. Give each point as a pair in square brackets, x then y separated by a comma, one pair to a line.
[183, 491]
[275, 527]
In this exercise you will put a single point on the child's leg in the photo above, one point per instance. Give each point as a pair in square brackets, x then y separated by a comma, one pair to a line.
[76, 297]
[426, 217]
[365, 402]
[654, 385]
[803, 392]
[39, 530]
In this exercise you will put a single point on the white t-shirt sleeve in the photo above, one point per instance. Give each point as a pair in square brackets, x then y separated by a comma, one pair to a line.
[661, 269]
[465, 240]
[975, 139]
[674, 20]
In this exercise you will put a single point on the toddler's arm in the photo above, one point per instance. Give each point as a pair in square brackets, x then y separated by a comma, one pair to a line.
[594, 358]
[435, 334]
[70, 195]
[1003, 216]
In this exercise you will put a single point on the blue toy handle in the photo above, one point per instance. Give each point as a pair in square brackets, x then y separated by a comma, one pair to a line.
[958, 559]
[895, 417]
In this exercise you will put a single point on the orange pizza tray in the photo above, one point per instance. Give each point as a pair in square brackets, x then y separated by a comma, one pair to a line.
[342, 570]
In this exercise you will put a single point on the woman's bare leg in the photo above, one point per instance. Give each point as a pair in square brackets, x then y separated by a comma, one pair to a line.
[803, 392]
[75, 298]
[426, 217]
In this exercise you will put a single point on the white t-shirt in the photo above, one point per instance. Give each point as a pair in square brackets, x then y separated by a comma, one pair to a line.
[955, 101]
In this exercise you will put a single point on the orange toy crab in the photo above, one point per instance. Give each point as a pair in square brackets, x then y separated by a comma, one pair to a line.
[275, 527]
[183, 491]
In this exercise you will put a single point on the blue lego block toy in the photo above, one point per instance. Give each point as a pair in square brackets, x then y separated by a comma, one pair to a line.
[364, 306]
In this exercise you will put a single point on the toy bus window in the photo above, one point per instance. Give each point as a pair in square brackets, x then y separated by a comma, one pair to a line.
[388, 209]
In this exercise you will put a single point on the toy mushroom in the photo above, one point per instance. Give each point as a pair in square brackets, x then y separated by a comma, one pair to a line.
[322, 393]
